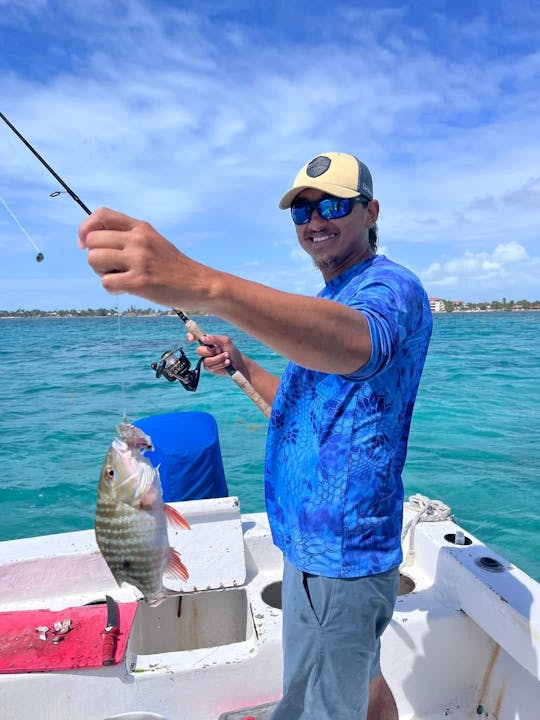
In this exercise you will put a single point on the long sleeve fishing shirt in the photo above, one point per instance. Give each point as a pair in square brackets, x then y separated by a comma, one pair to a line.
[337, 443]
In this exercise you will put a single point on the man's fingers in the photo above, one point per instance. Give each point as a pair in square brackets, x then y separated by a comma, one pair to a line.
[216, 364]
[106, 261]
[118, 282]
[216, 340]
[113, 239]
[104, 219]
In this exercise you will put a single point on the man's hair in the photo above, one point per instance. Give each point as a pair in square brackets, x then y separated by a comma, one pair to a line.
[374, 237]
[373, 231]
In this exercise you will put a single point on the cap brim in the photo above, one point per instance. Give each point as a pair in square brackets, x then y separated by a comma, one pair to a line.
[336, 190]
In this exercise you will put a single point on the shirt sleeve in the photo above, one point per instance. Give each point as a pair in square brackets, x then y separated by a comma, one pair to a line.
[386, 303]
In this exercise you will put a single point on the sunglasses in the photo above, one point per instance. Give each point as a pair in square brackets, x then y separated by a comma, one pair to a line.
[329, 208]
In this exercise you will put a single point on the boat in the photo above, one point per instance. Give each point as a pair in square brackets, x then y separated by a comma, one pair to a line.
[464, 640]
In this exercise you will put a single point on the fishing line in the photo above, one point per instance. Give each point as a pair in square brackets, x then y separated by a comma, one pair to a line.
[122, 374]
[39, 256]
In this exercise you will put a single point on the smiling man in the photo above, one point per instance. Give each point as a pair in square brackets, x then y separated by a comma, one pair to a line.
[334, 246]
[338, 432]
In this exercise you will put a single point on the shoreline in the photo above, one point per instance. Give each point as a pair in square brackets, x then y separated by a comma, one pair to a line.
[89, 316]
[53, 315]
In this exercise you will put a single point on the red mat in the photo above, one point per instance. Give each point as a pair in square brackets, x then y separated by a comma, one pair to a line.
[21, 649]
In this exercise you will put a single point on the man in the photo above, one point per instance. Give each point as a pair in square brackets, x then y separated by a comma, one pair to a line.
[340, 420]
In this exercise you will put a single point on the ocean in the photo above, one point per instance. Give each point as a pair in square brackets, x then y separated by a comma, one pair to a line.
[67, 382]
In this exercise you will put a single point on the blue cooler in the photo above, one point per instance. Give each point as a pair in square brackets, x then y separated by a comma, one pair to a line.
[188, 454]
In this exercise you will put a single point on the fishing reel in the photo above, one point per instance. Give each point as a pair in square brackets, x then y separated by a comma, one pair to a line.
[175, 365]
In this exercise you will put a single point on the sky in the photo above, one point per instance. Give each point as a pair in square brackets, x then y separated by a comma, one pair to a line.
[196, 116]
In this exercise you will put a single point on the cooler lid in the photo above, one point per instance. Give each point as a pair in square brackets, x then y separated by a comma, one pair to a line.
[213, 550]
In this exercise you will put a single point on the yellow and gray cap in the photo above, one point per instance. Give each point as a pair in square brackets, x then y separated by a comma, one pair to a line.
[338, 174]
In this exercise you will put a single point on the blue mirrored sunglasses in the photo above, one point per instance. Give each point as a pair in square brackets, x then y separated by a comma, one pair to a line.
[329, 208]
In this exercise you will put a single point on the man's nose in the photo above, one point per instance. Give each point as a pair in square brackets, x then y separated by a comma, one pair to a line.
[316, 220]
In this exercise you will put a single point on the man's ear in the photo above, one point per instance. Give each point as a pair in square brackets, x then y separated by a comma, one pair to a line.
[373, 212]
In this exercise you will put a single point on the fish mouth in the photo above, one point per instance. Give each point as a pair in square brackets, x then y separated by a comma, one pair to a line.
[134, 437]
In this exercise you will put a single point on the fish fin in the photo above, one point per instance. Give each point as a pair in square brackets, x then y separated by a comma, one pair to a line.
[174, 517]
[175, 566]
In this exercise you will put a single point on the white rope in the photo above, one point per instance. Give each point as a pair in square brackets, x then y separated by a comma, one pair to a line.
[427, 510]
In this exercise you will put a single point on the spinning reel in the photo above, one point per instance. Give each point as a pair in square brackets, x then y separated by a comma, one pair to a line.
[175, 365]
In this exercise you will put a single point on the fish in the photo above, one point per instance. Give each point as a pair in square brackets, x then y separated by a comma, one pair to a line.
[131, 518]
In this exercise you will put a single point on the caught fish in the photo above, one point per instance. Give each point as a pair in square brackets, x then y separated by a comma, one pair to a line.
[131, 518]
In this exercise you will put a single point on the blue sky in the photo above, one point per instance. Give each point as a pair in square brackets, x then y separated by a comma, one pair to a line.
[196, 116]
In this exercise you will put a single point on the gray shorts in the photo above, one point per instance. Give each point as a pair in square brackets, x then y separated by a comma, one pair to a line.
[331, 642]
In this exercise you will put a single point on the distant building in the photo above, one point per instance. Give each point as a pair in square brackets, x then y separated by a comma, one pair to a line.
[437, 305]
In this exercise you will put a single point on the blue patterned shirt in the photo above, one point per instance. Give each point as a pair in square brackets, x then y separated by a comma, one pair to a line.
[337, 444]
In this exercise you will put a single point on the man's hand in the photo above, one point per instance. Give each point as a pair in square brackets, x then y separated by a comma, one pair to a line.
[132, 257]
[219, 352]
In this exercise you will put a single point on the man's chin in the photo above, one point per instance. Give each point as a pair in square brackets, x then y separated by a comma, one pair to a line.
[326, 264]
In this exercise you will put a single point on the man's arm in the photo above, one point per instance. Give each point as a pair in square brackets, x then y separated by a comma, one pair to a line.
[315, 333]
[132, 257]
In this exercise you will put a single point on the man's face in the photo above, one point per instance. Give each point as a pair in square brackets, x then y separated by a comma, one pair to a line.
[336, 245]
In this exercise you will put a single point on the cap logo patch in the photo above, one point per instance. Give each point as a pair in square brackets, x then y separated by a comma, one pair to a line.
[318, 166]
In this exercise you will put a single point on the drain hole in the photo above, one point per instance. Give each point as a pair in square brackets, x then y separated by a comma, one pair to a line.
[489, 564]
[406, 585]
[458, 538]
[272, 595]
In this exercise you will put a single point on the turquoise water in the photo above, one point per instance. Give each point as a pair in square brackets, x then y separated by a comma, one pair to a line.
[67, 382]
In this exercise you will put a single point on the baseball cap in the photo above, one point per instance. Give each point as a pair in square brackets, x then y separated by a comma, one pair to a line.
[338, 174]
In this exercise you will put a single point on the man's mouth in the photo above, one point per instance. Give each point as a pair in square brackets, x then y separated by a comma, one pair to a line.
[322, 238]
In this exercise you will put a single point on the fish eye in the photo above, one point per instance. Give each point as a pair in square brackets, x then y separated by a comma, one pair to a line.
[109, 472]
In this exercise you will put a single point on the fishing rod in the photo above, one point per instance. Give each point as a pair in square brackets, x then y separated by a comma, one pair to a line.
[46, 164]
[173, 364]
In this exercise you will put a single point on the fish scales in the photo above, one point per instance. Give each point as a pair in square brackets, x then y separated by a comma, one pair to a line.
[131, 518]
[128, 542]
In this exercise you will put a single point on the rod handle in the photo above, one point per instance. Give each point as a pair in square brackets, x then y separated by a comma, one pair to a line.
[238, 377]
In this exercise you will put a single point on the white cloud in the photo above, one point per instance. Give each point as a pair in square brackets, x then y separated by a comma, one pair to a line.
[511, 252]
[508, 268]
